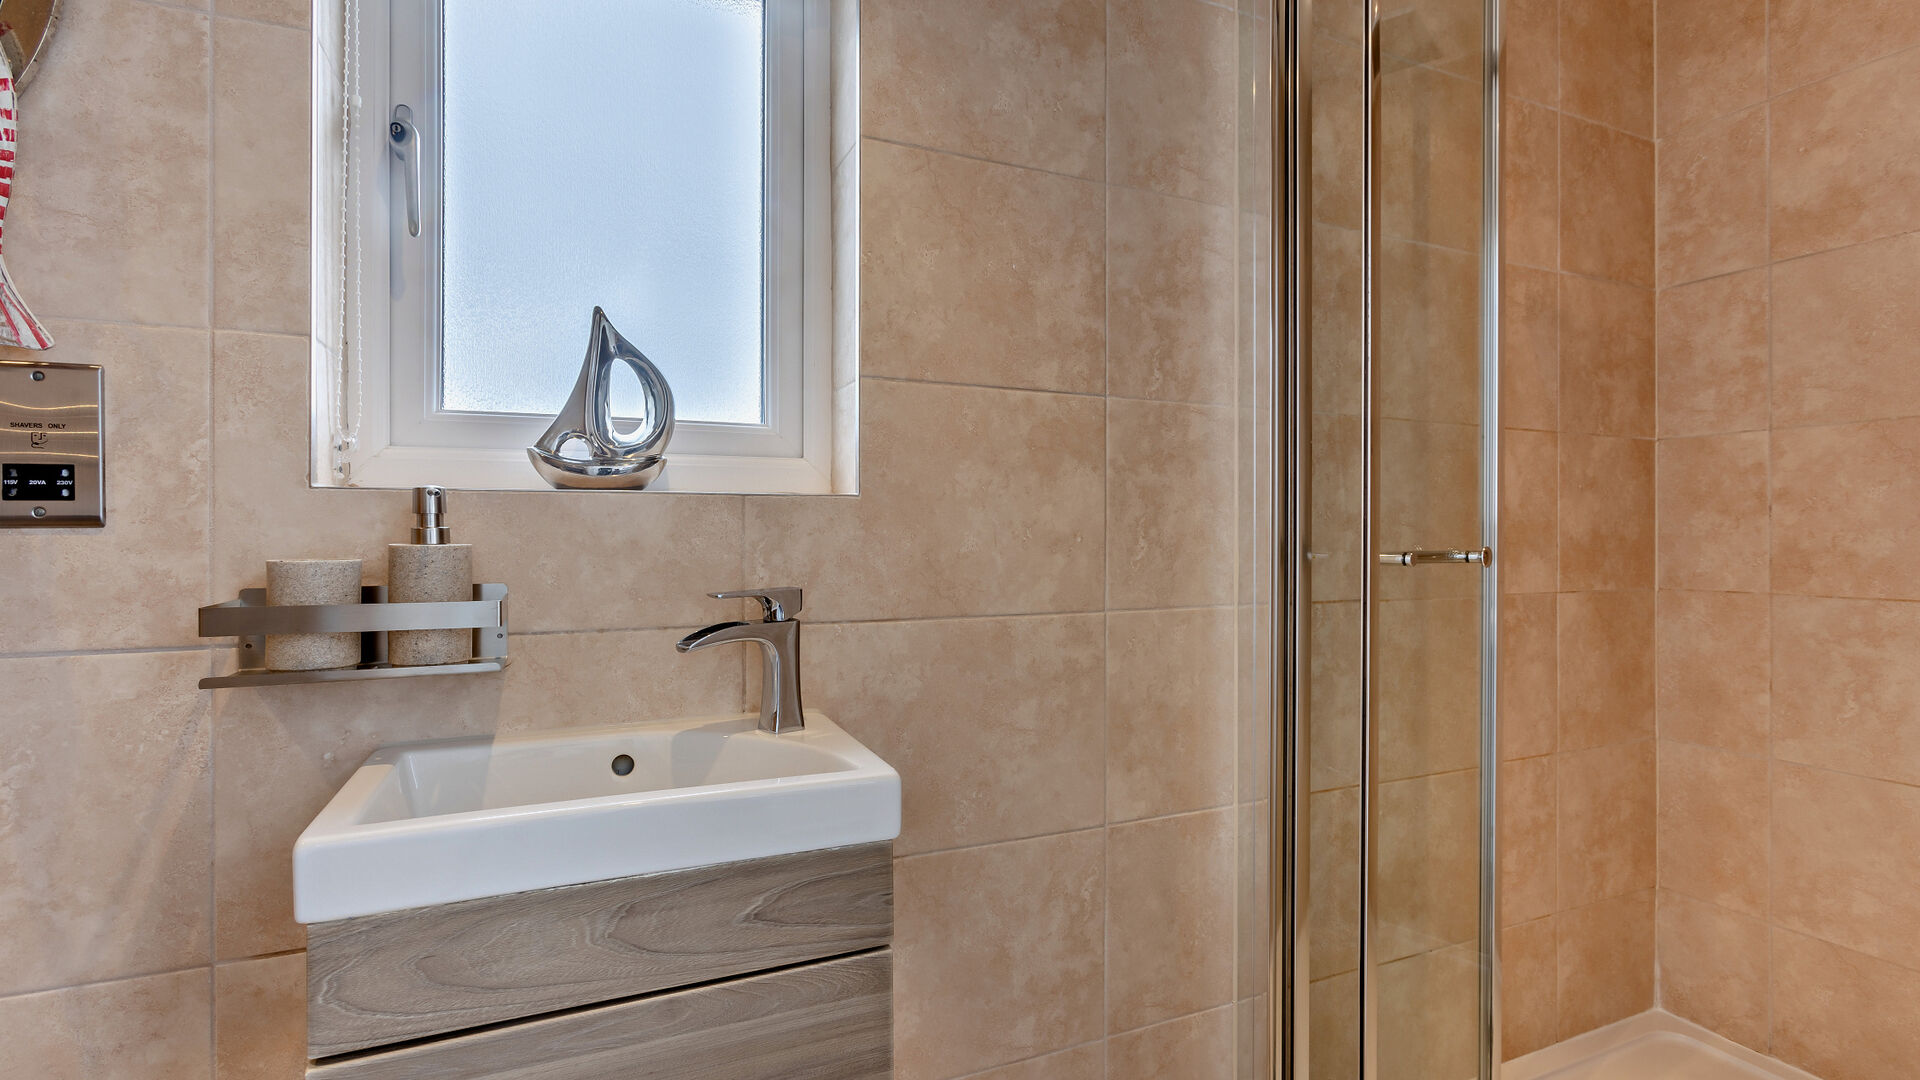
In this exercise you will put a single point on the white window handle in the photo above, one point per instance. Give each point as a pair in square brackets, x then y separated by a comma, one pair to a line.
[404, 140]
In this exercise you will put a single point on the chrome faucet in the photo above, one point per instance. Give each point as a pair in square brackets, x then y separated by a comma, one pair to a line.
[779, 637]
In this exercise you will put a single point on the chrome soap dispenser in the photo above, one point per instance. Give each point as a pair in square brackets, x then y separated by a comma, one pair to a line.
[432, 569]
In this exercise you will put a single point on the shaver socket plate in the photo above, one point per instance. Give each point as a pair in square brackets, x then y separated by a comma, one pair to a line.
[52, 469]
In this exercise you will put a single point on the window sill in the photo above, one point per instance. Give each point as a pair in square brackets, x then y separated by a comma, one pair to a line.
[509, 470]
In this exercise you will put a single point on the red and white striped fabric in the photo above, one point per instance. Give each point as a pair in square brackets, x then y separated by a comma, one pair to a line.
[18, 327]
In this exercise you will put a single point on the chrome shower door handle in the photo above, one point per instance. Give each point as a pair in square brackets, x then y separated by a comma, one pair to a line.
[404, 140]
[1422, 556]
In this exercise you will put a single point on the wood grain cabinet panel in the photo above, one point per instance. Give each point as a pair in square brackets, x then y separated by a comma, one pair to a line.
[383, 979]
[830, 1020]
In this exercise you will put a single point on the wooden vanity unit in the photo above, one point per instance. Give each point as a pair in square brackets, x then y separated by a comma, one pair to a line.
[775, 967]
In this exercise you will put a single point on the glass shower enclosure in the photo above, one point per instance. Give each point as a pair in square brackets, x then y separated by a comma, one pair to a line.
[1374, 453]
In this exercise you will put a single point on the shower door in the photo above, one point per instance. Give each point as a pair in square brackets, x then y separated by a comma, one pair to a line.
[1395, 579]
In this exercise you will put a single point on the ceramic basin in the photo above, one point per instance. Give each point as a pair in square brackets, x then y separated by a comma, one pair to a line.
[432, 823]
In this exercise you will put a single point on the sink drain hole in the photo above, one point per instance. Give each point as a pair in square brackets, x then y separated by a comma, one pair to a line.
[622, 765]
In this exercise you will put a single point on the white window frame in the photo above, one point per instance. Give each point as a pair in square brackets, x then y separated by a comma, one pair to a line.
[406, 439]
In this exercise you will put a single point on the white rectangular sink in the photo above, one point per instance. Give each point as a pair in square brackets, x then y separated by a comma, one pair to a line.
[432, 823]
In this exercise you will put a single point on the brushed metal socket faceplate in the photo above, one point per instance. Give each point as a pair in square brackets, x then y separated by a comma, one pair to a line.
[52, 467]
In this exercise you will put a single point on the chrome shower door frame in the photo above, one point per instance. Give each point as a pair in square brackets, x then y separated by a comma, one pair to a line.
[1290, 463]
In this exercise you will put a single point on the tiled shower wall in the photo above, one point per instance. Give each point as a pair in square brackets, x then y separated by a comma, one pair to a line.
[1029, 609]
[1577, 611]
[1789, 423]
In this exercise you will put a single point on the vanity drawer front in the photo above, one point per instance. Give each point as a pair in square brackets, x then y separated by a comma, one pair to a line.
[830, 1020]
[383, 979]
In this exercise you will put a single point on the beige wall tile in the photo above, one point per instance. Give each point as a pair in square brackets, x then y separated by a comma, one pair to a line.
[1428, 1002]
[280, 753]
[260, 1019]
[1170, 299]
[1606, 830]
[1606, 962]
[1713, 826]
[1016, 754]
[541, 546]
[1606, 357]
[972, 502]
[1197, 1047]
[1426, 686]
[1713, 512]
[1339, 321]
[1606, 650]
[1339, 505]
[1712, 59]
[1606, 512]
[1442, 34]
[1714, 968]
[1169, 918]
[262, 177]
[1428, 169]
[1529, 675]
[1529, 512]
[1712, 345]
[1606, 63]
[1530, 349]
[1529, 852]
[1712, 655]
[1170, 711]
[1335, 694]
[1533, 51]
[1169, 505]
[1335, 882]
[1339, 110]
[131, 1030]
[1427, 342]
[1606, 200]
[1022, 83]
[1334, 698]
[973, 272]
[1170, 98]
[1846, 168]
[104, 832]
[1846, 686]
[569, 680]
[1840, 1014]
[136, 582]
[1085, 1062]
[1429, 488]
[113, 225]
[1845, 500]
[1711, 198]
[285, 12]
[997, 953]
[1334, 1026]
[1847, 334]
[1529, 988]
[1846, 861]
[1530, 179]
[1425, 871]
[1809, 43]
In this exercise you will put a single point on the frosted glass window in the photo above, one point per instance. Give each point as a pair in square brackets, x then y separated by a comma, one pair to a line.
[603, 152]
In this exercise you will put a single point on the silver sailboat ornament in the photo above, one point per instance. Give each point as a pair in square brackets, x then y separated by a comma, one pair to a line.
[612, 460]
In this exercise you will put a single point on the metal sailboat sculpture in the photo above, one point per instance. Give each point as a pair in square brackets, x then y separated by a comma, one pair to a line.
[612, 460]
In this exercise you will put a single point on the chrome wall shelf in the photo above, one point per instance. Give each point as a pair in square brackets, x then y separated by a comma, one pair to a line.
[251, 620]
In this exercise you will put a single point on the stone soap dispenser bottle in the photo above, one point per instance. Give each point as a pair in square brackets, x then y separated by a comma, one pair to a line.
[429, 570]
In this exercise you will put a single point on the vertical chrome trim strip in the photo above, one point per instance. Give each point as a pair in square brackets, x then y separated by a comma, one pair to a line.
[1490, 278]
[1370, 509]
[1291, 494]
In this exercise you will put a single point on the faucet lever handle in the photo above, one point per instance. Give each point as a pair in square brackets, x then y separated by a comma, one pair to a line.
[778, 603]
